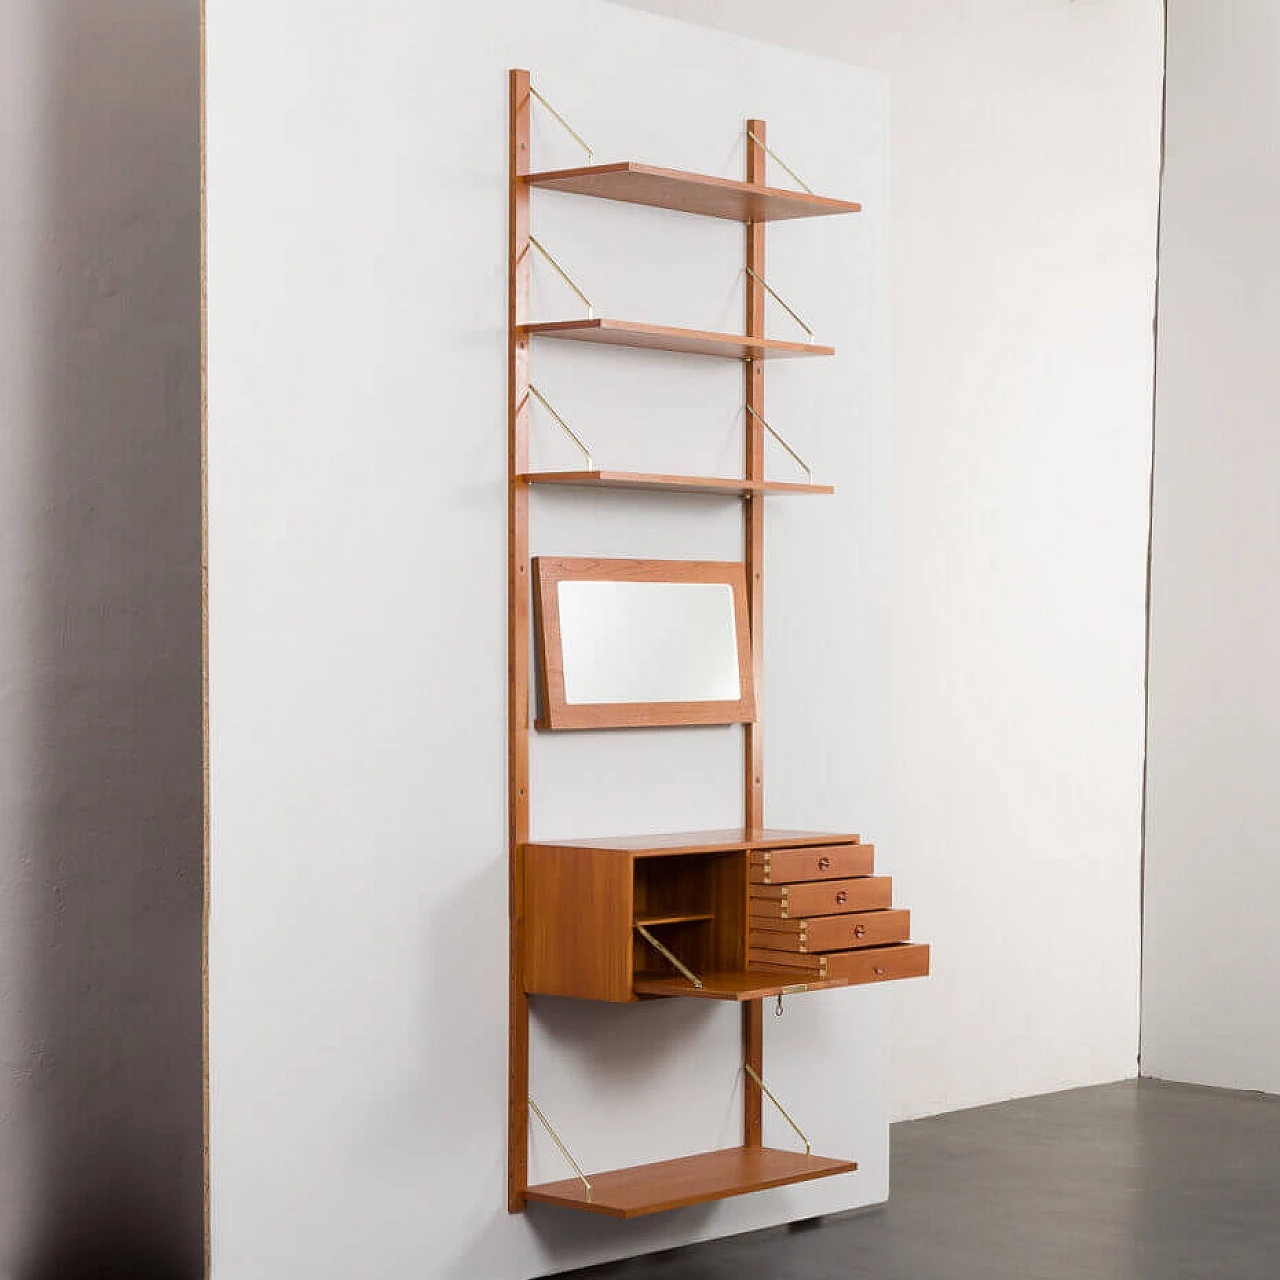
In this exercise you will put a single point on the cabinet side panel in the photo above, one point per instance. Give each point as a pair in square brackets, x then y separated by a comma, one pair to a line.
[729, 892]
[578, 917]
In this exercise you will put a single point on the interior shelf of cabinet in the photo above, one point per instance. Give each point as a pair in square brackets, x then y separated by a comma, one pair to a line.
[727, 486]
[674, 1184]
[693, 918]
[684, 192]
[657, 337]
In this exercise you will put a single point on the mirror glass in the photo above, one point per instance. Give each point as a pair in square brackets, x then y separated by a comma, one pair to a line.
[648, 642]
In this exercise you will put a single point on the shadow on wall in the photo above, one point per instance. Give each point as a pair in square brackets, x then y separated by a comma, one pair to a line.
[100, 1111]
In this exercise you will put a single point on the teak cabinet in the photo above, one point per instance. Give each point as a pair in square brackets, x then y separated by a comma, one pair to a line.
[742, 915]
[597, 914]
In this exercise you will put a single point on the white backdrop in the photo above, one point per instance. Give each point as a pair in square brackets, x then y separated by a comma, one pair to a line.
[357, 282]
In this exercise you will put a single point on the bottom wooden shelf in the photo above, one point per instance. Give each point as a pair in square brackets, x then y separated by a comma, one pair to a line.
[673, 1184]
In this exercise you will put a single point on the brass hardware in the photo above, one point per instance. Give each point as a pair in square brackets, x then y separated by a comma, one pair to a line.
[564, 1151]
[860, 931]
[804, 466]
[578, 138]
[564, 426]
[794, 989]
[564, 275]
[824, 864]
[773, 155]
[764, 1088]
[780, 300]
[663, 951]
[842, 897]
[879, 972]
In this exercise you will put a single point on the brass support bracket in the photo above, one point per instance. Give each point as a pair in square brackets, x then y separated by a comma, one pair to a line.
[581, 141]
[669, 955]
[774, 156]
[764, 1088]
[563, 425]
[779, 299]
[569, 280]
[564, 1151]
[804, 466]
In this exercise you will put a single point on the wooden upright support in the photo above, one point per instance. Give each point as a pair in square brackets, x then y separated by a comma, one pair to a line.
[753, 556]
[518, 639]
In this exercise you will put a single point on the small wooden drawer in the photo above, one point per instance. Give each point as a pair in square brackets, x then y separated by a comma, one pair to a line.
[826, 862]
[831, 933]
[873, 964]
[821, 898]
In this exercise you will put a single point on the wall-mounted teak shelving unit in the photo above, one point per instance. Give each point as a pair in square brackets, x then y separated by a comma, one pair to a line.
[743, 915]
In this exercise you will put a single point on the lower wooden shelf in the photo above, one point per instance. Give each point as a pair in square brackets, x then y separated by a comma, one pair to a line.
[673, 1184]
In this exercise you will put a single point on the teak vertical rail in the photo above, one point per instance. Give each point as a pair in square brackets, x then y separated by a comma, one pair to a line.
[753, 556]
[518, 637]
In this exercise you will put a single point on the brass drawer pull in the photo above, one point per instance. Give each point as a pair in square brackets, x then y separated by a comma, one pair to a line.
[842, 897]
[860, 931]
[824, 864]
[879, 971]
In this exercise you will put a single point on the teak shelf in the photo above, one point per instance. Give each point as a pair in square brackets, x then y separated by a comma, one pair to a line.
[674, 1184]
[689, 192]
[689, 342]
[729, 487]
[742, 914]
[687, 917]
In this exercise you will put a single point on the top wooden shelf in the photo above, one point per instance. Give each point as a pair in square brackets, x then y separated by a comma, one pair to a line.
[689, 192]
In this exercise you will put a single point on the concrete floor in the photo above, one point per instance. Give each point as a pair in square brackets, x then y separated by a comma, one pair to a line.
[1134, 1181]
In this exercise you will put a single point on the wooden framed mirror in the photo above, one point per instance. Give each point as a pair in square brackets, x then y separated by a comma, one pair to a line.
[625, 643]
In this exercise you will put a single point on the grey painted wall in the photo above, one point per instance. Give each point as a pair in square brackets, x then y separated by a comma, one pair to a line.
[1212, 950]
[100, 781]
[1025, 166]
